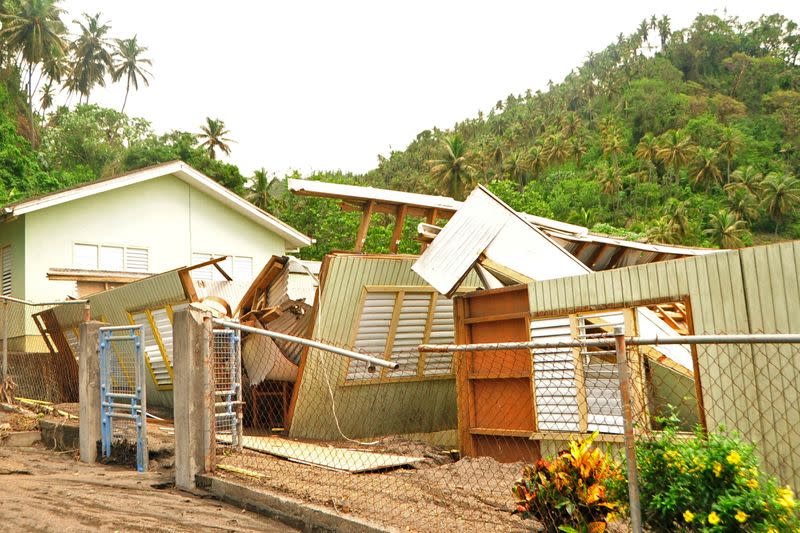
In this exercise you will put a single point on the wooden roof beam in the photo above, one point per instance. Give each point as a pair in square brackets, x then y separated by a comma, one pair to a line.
[399, 222]
[366, 216]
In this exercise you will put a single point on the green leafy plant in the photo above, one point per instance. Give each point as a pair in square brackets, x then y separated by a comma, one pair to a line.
[710, 483]
[570, 492]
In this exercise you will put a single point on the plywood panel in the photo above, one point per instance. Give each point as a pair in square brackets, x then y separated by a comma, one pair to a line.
[507, 449]
[503, 404]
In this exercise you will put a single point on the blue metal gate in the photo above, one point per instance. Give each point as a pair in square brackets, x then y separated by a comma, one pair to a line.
[228, 387]
[123, 395]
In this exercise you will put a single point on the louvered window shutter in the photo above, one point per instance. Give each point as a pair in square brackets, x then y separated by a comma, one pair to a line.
[410, 332]
[373, 332]
[442, 332]
[554, 377]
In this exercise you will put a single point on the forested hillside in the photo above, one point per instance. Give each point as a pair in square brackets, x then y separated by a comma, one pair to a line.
[686, 136]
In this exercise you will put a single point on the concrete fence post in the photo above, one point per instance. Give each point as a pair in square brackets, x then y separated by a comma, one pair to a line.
[193, 396]
[89, 389]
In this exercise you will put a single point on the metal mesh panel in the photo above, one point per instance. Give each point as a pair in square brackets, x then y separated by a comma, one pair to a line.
[443, 452]
[123, 394]
[227, 366]
[39, 357]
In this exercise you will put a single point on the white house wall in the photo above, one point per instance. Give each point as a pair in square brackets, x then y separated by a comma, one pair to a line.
[165, 215]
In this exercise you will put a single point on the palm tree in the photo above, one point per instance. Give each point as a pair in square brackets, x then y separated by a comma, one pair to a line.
[675, 150]
[730, 142]
[678, 216]
[36, 31]
[747, 178]
[454, 169]
[130, 64]
[212, 134]
[46, 98]
[577, 148]
[556, 148]
[663, 231]
[664, 30]
[613, 145]
[514, 169]
[258, 192]
[726, 230]
[781, 196]
[609, 179]
[706, 169]
[646, 151]
[537, 158]
[91, 56]
[742, 203]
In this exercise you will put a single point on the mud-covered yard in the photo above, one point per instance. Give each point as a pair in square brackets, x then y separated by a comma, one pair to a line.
[437, 494]
[42, 490]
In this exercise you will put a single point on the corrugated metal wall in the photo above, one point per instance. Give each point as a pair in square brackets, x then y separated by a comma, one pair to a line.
[753, 390]
[364, 410]
[113, 307]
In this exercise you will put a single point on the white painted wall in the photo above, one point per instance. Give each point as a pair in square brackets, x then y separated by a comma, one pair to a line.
[165, 215]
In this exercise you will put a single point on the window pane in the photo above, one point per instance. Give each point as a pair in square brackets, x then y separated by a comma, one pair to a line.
[85, 256]
[137, 259]
[242, 269]
[204, 273]
[111, 258]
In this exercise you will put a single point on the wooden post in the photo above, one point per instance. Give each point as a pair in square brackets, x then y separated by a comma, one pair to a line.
[398, 228]
[366, 216]
[627, 415]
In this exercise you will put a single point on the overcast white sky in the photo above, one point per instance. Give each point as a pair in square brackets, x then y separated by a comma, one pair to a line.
[329, 85]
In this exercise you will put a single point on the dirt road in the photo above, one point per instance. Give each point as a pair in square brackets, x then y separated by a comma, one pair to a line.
[42, 490]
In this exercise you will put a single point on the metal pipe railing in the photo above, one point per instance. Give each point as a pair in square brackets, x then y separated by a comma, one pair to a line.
[759, 338]
[308, 342]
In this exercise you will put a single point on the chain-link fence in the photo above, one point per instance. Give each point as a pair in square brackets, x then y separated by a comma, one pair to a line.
[39, 359]
[463, 450]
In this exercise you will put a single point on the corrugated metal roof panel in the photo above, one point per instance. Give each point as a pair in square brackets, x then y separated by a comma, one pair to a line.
[486, 226]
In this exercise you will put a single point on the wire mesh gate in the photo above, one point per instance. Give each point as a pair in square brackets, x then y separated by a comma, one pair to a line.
[227, 357]
[123, 395]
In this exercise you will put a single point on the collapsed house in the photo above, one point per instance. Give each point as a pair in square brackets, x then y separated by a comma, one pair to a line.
[486, 245]
[387, 305]
[152, 301]
[376, 304]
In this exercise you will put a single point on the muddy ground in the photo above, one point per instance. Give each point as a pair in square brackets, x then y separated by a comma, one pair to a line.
[437, 494]
[42, 490]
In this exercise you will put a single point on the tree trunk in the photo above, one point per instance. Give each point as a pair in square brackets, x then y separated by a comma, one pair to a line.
[125, 102]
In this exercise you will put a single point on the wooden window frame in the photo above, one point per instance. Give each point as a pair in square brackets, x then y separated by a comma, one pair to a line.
[385, 374]
[148, 313]
[639, 379]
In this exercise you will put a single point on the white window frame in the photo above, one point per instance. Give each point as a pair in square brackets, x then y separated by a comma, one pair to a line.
[231, 259]
[124, 247]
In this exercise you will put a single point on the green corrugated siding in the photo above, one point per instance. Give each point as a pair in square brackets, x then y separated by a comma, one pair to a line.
[753, 390]
[367, 410]
[112, 306]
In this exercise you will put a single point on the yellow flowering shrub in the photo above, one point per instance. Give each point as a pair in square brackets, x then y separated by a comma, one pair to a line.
[571, 491]
[710, 483]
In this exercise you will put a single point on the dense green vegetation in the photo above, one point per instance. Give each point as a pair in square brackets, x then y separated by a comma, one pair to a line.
[687, 136]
